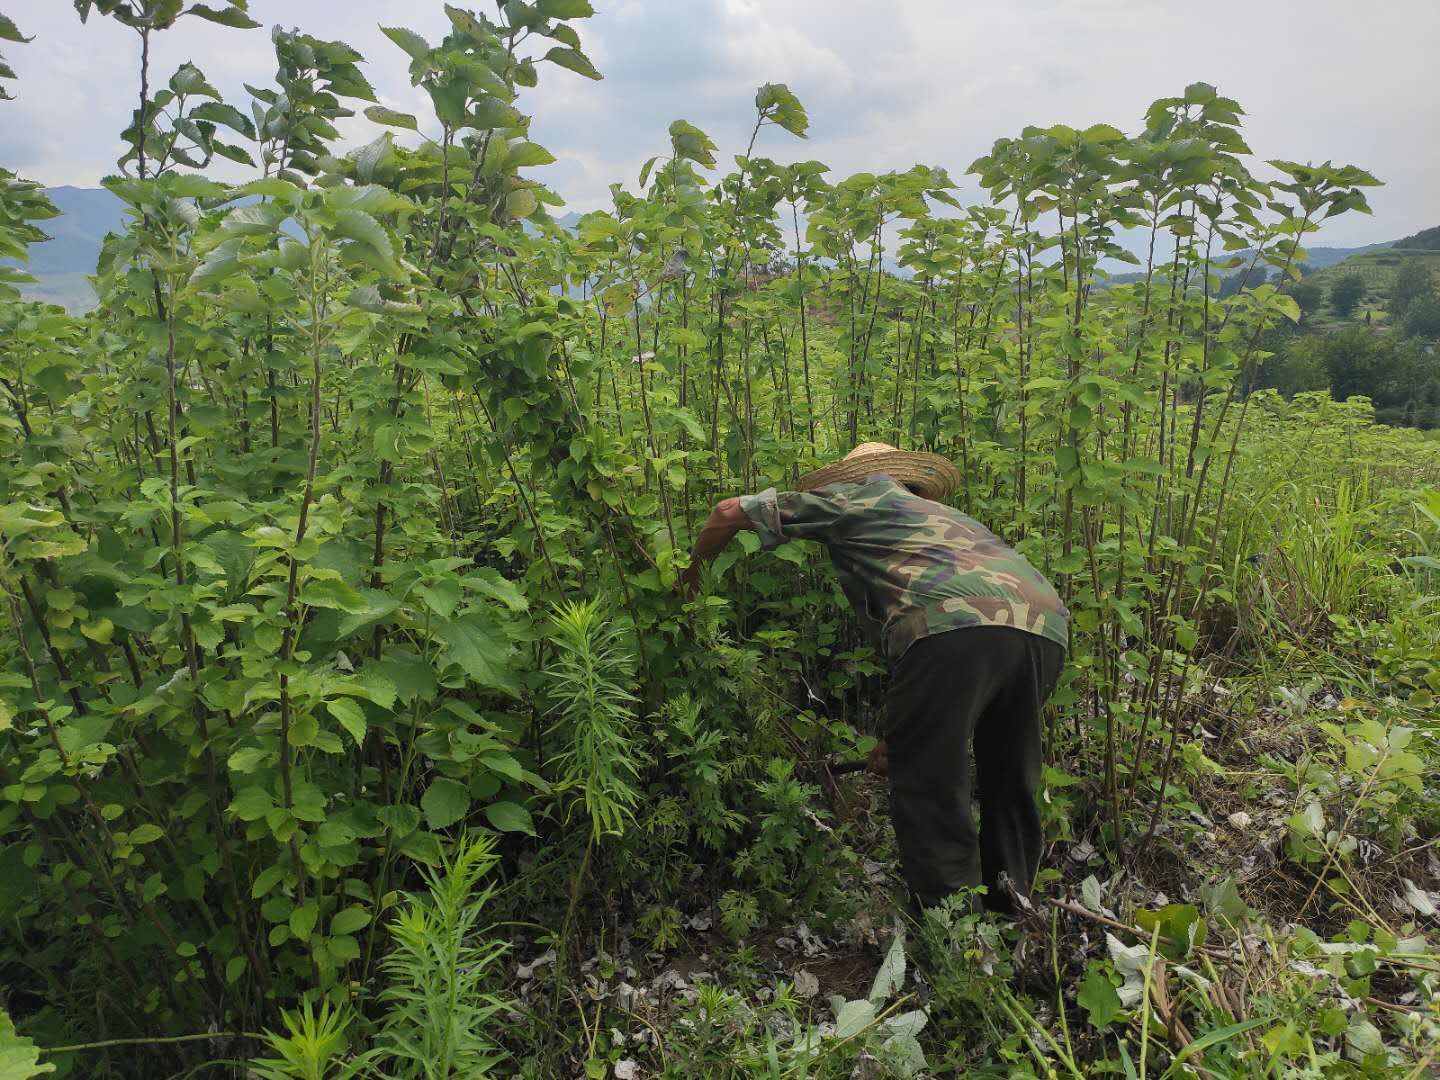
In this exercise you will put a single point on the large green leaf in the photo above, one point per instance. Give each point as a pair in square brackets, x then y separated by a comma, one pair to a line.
[444, 803]
[391, 118]
[331, 593]
[411, 42]
[477, 644]
[229, 16]
[510, 817]
[573, 60]
[19, 1056]
[1098, 998]
[565, 9]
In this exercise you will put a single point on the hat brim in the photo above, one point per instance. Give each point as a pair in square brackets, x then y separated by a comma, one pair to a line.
[929, 475]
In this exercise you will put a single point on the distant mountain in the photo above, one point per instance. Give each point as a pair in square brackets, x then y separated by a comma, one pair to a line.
[86, 215]
[62, 263]
[1317, 258]
[1424, 240]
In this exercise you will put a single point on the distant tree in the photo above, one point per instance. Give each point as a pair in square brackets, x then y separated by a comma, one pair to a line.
[1309, 295]
[1425, 239]
[1422, 320]
[1296, 365]
[1346, 294]
[1249, 278]
[1400, 376]
[1412, 281]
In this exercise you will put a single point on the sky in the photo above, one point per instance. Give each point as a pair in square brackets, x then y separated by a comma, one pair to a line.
[886, 84]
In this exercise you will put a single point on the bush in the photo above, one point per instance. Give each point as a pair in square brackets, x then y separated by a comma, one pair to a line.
[1346, 293]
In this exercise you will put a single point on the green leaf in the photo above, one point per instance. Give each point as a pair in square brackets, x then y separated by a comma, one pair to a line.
[217, 112]
[343, 947]
[510, 817]
[230, 16]
[445, 802]
[1181, 928]
[778, 105]
[100, 630]
[524, 154]
[10, 32]
[491, 112]
[252, 803]
[689, 142]
[368, 298]
[349, 716]
[19, 1056]
[411, 42]
[1098, 998]
[335, 594]
[487, 580]
[391, 118]
[303, 919]
[266, 880]
[190, 81]
[853, 1017]
[351, 919]
[361, 227]
[891, 976]
[520, 203]
[479, 647]
[247, 759]
[146, 834]
[565, 9]
[573, 60]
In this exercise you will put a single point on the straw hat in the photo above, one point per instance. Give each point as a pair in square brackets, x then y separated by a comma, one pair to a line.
[929, 475]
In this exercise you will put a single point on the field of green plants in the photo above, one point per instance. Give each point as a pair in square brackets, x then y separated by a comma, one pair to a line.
[351, 722]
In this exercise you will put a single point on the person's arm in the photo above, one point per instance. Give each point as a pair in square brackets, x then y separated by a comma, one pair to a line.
[719, 529]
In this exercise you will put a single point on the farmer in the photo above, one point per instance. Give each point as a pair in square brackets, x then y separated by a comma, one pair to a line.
[975, 638]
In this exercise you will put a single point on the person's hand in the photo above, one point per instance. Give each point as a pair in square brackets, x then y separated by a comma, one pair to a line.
[880, 759]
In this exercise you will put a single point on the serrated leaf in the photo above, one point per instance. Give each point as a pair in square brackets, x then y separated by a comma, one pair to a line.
[266, 880]
[218, 112]
[573, 60]
[190, 81]
[565, 9]
[100, 630]
[510, 817]
[477, 645]
[488, 580]
[146, 834]
[10, 32]
[362, 228]
[303, 919]
[520, 203]
[228, 16]
[391, 118]
[368, 298]
[330, 593]
[891, 976]
[349, 716]
[1098, 998]
[444, 803]
[351, 919]
[19, 1056]
[853, 1017]
[411, 42]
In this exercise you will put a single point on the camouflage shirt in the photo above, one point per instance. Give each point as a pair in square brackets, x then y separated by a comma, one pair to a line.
[911, 567]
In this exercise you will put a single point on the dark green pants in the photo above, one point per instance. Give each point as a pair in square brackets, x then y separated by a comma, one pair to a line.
[980, 686]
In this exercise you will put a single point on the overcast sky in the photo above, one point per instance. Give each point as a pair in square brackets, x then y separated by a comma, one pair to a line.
[886, 84]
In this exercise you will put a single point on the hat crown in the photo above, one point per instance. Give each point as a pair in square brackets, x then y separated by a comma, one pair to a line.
[865, 449]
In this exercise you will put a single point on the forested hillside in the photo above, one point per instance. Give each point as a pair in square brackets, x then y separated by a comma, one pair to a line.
[352, 723]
